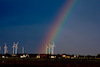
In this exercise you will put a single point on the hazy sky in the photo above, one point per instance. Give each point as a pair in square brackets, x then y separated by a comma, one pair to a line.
[28, 21]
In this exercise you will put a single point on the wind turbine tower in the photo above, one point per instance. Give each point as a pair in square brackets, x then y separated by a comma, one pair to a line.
[16, 47]
[5, 49]
[47, 49]
[13, 47]
[52, 47]
[22, 50]
[0, 48]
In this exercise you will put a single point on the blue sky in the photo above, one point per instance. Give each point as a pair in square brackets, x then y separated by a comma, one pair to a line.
[28, 21]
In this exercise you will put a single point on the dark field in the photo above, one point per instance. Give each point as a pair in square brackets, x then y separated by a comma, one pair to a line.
[49, 63]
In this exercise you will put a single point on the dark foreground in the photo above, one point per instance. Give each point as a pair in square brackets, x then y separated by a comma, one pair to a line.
[49, 63]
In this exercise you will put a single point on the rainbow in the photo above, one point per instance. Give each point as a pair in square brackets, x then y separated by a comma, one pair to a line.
[62, 16]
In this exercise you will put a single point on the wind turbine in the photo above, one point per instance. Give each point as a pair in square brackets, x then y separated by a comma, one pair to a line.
[5, 49]
[49, 48]
[15, 46]
[0, 48]
[22, 50]
[52, 47]
[46, 49]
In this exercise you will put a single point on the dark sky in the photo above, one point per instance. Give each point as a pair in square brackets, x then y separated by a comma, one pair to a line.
[28, 21]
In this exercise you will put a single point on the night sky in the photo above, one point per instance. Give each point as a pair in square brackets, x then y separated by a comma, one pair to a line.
[28, 21]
